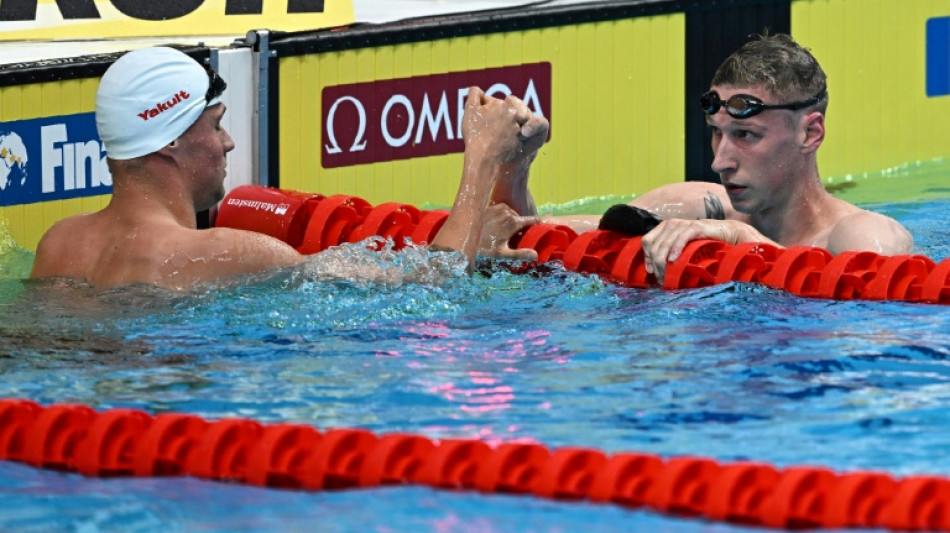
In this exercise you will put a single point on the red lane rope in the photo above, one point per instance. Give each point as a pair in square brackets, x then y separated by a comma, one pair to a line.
[311, 223]
[128, 442]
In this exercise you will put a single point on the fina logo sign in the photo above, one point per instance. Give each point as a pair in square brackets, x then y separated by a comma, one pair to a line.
[407, 118]
[52, 158]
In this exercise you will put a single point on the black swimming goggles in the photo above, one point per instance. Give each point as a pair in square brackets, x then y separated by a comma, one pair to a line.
[216, 85]
[745, 106]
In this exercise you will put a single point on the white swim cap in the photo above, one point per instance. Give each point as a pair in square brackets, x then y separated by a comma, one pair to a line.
[148, 98]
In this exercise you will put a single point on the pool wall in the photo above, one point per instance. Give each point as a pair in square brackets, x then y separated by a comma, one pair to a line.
[880, 61]
[618, 80]
[575, 73]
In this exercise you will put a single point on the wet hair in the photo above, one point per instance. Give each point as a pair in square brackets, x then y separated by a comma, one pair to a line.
[778, 64]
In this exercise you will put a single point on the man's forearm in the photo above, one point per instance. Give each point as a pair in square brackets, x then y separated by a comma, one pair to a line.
[462, 228]
[512, 189]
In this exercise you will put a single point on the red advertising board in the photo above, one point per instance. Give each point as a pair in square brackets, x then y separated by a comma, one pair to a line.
[387, 120]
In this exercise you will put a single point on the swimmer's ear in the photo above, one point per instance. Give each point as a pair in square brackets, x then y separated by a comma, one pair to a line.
[814, 131]
[170, 149]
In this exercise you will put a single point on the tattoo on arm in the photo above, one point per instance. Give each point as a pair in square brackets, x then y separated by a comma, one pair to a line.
[714, 209]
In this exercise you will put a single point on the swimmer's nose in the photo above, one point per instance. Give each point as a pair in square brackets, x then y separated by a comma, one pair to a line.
[723, 159]
[228, 141]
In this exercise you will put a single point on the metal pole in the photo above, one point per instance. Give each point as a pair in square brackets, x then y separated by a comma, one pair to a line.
[260, 41]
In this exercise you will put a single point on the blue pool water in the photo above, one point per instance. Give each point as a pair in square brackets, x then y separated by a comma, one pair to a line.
[732, 372]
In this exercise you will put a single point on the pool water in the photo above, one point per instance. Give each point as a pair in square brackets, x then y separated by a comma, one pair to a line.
[734, 371]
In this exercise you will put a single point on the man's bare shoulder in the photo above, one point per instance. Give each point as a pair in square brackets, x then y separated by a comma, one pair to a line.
[60, 250]
[69, 227]
[164, 254]
[869, 231]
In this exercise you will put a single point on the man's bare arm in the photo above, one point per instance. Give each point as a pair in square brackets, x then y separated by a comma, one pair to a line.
[690, 200]
[501, 137]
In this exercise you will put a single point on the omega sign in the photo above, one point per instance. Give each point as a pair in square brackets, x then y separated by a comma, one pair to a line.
[416, 117]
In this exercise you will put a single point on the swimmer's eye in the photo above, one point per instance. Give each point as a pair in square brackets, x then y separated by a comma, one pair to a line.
[746, 135]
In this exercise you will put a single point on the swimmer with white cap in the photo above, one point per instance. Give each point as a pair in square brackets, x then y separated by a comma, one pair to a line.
[159, 116]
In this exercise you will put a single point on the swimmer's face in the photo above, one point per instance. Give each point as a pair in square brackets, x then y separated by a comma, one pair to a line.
[208, 144]
[757, 158]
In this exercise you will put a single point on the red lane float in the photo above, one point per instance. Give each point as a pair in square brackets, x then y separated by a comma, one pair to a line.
[276, 460]
[696, 267]
[627, 479]
[312, 223]
[430, 222]
[549, 240]
[166, 444]
[630, 266]
[392, 220]
[125, 442]
[332, 221]
[275, 212]
[512, 468]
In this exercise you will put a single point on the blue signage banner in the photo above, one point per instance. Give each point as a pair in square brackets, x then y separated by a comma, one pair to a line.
[52, 158]
[938, 56]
